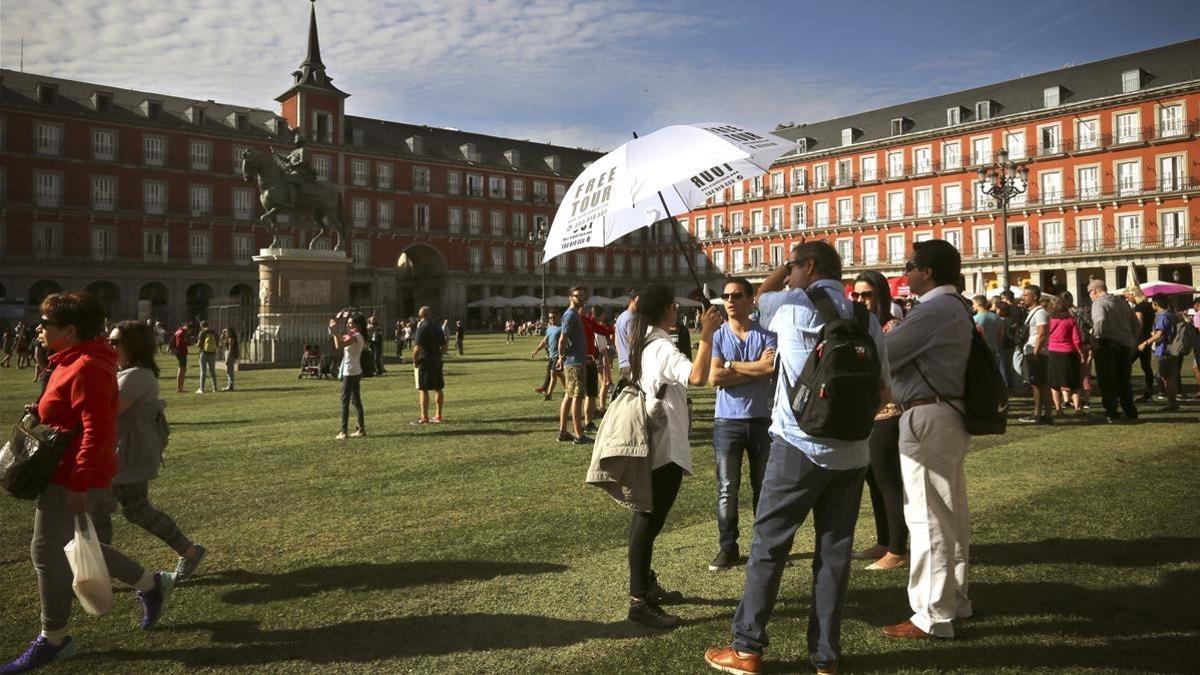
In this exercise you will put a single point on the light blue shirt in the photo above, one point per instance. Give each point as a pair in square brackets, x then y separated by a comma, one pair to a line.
[624, 327]
[794, 320]
[752, 399]
[552, 341]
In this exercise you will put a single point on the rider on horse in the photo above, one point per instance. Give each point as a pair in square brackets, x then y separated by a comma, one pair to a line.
[296, 167]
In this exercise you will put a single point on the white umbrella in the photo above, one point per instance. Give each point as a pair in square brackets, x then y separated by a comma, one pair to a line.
[557, 301]
[993, 292]
[525, 301]
[600, 301]
[686, 302]
[621, 301]
[494, 301]
[655, 176]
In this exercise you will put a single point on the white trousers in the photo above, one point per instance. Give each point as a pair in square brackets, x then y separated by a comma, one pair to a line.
[933, 447]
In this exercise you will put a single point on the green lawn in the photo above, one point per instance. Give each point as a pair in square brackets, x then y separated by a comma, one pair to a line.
[475, 547]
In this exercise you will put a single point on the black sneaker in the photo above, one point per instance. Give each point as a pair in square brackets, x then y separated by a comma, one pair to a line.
[725, 559]
[649, 614]
[564, 437]
[662, 596]
[582, 440]
[1045, 419]
[591, 426]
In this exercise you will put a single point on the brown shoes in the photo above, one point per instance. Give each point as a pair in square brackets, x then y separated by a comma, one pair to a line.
[728, 660]
[907, 631]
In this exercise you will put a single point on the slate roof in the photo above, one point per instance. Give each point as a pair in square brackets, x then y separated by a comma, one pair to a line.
[1171, 64]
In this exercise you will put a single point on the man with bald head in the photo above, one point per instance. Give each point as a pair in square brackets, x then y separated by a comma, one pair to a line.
[1116, 327]
[428, 351]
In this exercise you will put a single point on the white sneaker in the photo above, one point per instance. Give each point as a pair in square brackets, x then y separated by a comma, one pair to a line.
[340, 437]
[358, 433]
[200, 391]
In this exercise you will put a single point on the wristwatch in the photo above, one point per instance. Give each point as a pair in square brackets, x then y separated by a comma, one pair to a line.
[728, 365]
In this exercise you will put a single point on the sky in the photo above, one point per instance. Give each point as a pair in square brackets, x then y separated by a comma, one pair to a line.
[582, 73]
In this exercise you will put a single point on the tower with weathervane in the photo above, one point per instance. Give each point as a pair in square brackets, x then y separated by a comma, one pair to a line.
[312, 105]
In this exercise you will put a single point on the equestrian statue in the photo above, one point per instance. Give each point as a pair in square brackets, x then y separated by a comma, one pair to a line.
[288, 184]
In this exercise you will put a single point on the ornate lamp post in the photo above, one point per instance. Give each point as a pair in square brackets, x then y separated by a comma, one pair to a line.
[537, 238]
[1002, 181]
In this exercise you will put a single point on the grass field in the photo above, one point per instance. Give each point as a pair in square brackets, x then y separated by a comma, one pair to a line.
[475, 547]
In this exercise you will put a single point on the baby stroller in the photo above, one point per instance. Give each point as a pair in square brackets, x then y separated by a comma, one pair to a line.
[310, 363]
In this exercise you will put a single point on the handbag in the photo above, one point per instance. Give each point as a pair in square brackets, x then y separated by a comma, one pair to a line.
[29, 458]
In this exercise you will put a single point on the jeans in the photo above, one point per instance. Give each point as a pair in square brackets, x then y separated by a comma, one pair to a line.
[793, 487]
[230, 371]
[732, 438]
[208, 366]
[644, 528]
[137, 509]
[1146, 359]
[1114, 370]
[352, 391]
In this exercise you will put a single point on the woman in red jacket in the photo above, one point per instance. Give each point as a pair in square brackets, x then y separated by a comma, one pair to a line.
[81, 397]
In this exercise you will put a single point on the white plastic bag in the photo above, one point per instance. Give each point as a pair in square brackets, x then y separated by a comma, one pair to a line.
[92, 584]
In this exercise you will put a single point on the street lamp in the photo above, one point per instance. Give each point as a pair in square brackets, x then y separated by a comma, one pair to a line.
[537, 238]
[1002, 181]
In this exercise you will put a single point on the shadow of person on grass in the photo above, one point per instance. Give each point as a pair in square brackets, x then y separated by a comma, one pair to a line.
[246, 642]
[261, 587]
[1106, 552]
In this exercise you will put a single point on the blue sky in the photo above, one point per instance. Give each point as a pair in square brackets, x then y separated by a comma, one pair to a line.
[583, 73]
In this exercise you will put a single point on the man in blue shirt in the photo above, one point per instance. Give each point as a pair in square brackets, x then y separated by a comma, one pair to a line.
[550, 344]
[1162, 332]
[743, 360]
[572, 356]
[624, 326]
[804, 474]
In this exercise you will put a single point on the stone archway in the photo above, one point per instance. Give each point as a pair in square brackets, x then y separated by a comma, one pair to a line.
[242, 294]
[152, 301]
[110, 298]
[422, 280]
[198, 297]
[39, 290]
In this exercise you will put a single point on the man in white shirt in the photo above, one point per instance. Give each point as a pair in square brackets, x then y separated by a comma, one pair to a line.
[1037, 355]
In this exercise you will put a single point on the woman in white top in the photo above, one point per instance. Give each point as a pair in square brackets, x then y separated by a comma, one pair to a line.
[351, 344]
[656, 364]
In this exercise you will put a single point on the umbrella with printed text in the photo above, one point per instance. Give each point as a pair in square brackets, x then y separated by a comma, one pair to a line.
[653, 177]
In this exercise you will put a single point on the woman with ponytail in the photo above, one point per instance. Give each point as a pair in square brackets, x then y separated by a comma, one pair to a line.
[656, 365]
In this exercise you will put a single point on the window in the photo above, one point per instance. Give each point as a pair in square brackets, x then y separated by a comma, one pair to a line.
[456, 220]
[285, 241]
[739, 260]
[199, 245]
[361, 212]
[599, 263]
[154, 246]
[323, 126]
[895, 205]
[701, 227]
[1170, 173]
[559, 265]
[799, 216]
[385, 211]
[236, 159]
[981, 150]
[1170, 120]
[895, 162]
[421, 179]
[1089, 234]
[359, 171]
[200, 198]
[104, 144]
[847, 136]
[983, 201]
[518, 226]
[954, 238]
[421, 217]
[756, 221]
[776, 255]
[154, 197]
[821, 176]
[845, 171]
[718, 260]
[1051, 187]
[1128, 175]
[560, 191]
[845, 210]
[718, 224]
[496, 187]
[243, 204]
[104, 243]
[983, 241]
[154, 150]
[48, 189]
[755, 258]
[1173, 228]
[821, 213]
[951, 156]
[1131, 80]
[735, 222]
[845, 250]
[953, 116]
[243, 249]
[922, 236]
[539, 192]
[756, 186]
[47, 240]
[923, 160]
[899, 126]
[739, 190]
[870, 209]
[1088, 182]
[923, 201]
[800, 178]
[474, 221]
[1087, 134]
[776, 218]
[520, 263]
[518, 189]
[1018, 238]
[868, 165]
[322, 166]
[895, 244]
[1051, 96]
[581, 263]
[1129, 228]
[497, 221]
[777, 183]
[49, 139]
[1052, 236]
[983, 110]
[1014, 142]
[454, 182]
[474, 185]
[1048, 140]
[360, 253]
[383, 176]
[1127, 128]
[104, 193]
[870, 250]
[952, 198]
[200, 155]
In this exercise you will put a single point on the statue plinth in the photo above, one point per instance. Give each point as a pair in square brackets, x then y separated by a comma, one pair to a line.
[298, 291]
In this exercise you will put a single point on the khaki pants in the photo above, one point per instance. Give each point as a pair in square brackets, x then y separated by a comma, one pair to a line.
[933, 447]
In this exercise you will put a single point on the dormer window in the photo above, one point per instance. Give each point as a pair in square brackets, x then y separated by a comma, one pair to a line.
[900, 125]
[1131, 80]
[101, 102]
[803, 144]
[196, 115]
[469, 152]
[151, 110]
[554, 162]
[954, 115]
[275, 125]
[848, 135]
[1051, 96]
[415, 145]
[513, 157]
[47, 94]
[983, 110]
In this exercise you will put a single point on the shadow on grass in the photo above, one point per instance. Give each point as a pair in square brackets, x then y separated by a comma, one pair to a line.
[1106, 552]
[441, 430]
[244, 643]
[260, 587]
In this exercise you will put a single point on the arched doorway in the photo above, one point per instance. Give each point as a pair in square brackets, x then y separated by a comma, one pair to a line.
[109, 296]
[39, 290]
[242, 294]
[198, 297]
[152, 302]
[422, 279]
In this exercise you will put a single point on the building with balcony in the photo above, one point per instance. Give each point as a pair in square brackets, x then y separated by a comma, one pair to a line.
[1112, 151]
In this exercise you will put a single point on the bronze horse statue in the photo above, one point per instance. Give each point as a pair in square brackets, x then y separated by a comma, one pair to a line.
[314, 201]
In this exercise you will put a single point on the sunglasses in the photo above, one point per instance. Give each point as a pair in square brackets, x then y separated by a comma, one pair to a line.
[792, 263]
[732, 296]
[577, 295]
[47, 322]
[865, 295]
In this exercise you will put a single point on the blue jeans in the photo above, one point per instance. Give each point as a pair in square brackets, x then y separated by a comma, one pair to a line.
[732, 438]
[208, 367]
[794, 486]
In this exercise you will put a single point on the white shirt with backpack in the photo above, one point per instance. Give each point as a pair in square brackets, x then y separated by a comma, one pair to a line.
[663, 363]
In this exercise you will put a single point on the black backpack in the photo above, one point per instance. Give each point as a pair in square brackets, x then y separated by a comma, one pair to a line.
[837, 393]
[985, 395]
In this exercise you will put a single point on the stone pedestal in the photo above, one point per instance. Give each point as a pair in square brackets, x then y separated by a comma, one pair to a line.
[298, 291]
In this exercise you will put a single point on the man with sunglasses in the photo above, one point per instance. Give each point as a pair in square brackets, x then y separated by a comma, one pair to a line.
[572, 357]
[743, 359]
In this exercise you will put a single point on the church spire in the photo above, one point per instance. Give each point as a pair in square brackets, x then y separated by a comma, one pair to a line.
[311, 72]
[313, 58]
